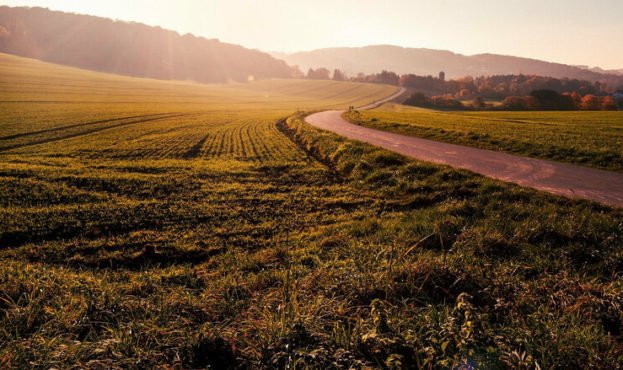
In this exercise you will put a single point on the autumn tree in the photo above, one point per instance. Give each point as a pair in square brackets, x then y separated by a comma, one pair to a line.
[577, 99]
[608, 103]
[515, 103]
[591, 102]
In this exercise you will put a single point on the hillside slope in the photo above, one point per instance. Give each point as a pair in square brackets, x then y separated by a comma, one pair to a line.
[373, 59]
[131, 49]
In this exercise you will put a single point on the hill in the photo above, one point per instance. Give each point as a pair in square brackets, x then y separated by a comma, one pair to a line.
[373, 59]
[130, 49]
[601, 70]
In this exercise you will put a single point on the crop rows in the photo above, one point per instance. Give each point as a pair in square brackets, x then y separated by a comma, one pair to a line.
[165, 137]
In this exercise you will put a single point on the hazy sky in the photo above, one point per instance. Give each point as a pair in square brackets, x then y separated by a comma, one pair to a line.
[568, 31]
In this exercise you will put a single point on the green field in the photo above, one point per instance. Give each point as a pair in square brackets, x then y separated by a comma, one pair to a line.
[588, 138]
[158, 224]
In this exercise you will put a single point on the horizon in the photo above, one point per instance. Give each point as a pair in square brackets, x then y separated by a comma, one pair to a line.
[594, 26]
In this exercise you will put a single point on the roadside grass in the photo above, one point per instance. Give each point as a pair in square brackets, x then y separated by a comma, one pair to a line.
[227, 237]
[588, 138]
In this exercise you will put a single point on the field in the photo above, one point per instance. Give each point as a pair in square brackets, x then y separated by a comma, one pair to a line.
[588, 138]
[155, 224]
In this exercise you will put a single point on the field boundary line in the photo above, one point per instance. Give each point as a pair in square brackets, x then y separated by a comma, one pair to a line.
[314, 155]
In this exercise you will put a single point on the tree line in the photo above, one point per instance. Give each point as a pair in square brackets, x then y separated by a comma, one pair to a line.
[536, 100]
[511, 92]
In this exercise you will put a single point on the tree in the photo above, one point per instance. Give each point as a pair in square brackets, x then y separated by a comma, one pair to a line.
[552, 100]
[591, 102]
[515, 103]
[618, 97]
[577, 99]
[447, 103]
[387, 77]
[547, 99]
[418, 100]
[338, 75]
[608, 103]
[360, 77]
[478, 103]
[319, 74]
[295, 72]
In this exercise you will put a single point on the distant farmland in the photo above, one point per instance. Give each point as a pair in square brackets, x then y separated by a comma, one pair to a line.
[148, 224]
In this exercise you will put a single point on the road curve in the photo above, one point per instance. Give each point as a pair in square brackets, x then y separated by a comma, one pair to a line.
[377, 103]
[558, 178]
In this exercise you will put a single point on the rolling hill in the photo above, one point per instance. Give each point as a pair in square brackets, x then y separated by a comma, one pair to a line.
[130, 49]
[601, 70]
[373, 59]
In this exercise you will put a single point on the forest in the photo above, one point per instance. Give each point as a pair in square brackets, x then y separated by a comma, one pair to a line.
[509, 92]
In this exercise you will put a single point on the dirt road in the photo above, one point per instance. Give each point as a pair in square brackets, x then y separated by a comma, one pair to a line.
[554, 177]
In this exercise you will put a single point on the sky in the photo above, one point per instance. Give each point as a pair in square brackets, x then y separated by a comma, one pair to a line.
[578, 32]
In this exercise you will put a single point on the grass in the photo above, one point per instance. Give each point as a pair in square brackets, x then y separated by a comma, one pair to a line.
[218, 235]
[588, 138]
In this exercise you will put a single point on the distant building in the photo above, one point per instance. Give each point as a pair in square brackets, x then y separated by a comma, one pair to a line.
[442, 76]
